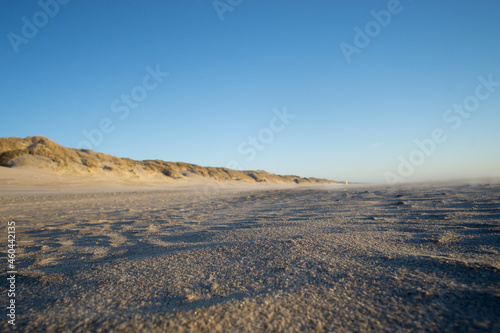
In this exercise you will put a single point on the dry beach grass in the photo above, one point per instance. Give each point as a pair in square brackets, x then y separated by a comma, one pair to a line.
[255, 258]
[43, 154]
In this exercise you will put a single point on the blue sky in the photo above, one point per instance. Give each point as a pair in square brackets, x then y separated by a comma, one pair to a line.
[234, 65]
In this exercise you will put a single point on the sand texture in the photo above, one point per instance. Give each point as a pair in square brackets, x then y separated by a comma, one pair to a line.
[254, 259]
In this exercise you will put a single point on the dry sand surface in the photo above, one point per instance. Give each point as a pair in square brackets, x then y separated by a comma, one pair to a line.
[254, 258]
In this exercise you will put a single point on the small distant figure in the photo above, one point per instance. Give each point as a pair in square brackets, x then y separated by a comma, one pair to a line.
[346, 183]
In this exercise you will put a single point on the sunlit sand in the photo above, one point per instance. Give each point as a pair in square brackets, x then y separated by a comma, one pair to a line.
[206, 257]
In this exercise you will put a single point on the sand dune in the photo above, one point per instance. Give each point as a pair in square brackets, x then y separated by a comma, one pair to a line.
[258, 258]
[42, 154]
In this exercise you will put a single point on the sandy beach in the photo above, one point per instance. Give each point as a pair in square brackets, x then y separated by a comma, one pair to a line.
[234, 166]
[215, 258]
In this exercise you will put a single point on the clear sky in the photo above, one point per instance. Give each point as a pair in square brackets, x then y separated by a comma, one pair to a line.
[335, 89]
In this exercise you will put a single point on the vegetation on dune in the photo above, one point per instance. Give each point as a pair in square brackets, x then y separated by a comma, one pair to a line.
[42, 153]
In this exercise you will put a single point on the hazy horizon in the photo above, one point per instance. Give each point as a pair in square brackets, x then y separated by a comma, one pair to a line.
[369, 92]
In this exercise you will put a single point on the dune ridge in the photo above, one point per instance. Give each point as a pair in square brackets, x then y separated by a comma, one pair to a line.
[46, 155]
